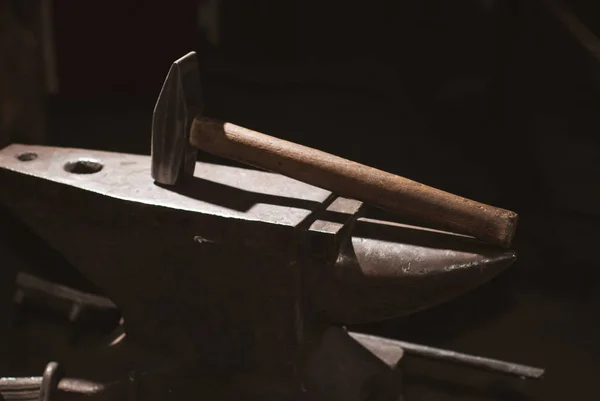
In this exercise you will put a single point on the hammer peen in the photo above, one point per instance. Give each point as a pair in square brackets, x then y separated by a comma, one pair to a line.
[179, 130]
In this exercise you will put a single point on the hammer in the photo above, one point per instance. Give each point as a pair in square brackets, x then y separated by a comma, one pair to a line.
[179, 129]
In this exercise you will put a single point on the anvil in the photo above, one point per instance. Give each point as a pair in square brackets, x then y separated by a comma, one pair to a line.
[241, 270]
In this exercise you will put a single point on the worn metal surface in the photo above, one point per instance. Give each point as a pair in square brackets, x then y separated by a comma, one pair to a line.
[178, 103]
[51, 386]
[221, 270]
[74, 302]
[50, 378]
[344, 365]
[389, 351]
[458, 358]
[20, 388]
[337, 359]
[32, 388]
[330, 230]
[388, 269]
[205, 251]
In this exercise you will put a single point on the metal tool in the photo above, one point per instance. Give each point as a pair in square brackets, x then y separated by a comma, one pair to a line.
[457, 358]
[31, 388]
[335, 359]
[338, 369]
[344, 366]
[75, 303]
[54, 386]
[178, 129]
[239, 270]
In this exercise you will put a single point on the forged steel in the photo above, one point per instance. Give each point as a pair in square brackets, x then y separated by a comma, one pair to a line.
[238, 270]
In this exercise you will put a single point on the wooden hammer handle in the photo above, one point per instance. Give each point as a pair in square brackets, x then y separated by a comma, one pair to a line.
[397, 194]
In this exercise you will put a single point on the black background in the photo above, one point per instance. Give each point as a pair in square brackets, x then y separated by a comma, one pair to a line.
[493, 100]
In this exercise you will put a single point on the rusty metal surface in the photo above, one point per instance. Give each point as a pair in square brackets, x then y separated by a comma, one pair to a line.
[220, 271]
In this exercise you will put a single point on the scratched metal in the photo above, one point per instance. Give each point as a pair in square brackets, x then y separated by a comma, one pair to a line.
[284, 200]
[213, 270]
[452, 357]
[388, 270]
[29, 389]
[200, 271]
[179, 101]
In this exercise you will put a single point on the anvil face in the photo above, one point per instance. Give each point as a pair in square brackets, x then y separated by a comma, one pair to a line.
[225, 268]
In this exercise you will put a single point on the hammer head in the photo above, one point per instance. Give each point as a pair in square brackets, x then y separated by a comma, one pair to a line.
[178, 103]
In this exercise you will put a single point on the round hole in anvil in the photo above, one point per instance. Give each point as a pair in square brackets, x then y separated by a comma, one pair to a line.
[27, 157]
[83, 167]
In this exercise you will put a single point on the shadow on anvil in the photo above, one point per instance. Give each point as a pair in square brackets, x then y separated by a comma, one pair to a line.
[241, 200]
[233, 198]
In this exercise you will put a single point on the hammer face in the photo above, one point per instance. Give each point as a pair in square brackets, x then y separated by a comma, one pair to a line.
[177, 105]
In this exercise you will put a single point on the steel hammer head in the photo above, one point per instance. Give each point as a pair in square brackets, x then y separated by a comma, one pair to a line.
[178, 103]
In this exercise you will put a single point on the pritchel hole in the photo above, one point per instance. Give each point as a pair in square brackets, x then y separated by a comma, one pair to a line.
[27, 157]
[83, 167]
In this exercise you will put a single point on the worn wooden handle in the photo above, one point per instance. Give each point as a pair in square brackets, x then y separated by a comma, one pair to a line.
[397, 194]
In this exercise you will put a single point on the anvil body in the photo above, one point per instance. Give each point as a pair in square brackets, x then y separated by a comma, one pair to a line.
[236, 268]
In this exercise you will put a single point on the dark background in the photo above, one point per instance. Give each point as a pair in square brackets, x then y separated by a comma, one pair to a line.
[494, 100]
